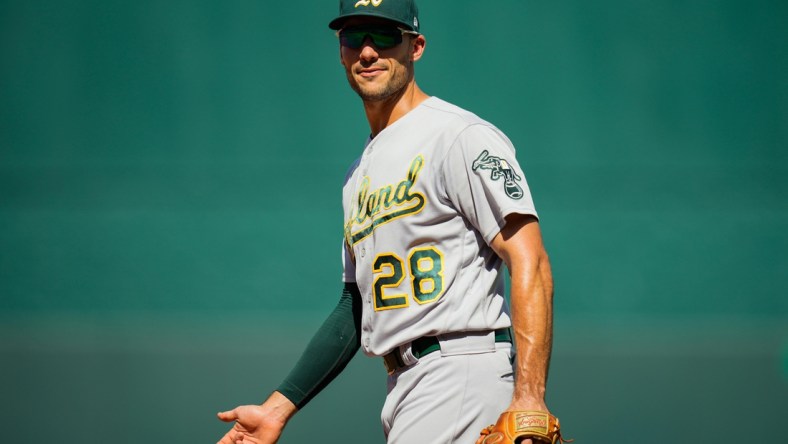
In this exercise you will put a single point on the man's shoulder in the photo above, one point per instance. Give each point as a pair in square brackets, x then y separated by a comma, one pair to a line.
[458, 123]
[452, 114]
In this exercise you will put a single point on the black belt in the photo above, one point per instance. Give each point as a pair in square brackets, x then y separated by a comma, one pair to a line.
[428, 344]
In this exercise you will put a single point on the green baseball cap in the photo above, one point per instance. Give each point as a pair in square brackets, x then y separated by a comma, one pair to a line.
[404, 12]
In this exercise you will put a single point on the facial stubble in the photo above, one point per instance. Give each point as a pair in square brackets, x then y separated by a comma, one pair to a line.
[395, 85]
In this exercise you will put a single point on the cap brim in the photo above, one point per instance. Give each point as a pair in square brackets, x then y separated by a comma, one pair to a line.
[337, 23]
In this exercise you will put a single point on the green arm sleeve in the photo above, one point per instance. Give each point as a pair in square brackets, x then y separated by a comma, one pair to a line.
[329, 351]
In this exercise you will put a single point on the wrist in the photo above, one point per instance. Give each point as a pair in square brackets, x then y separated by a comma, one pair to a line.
[280, 407]
[528, 403]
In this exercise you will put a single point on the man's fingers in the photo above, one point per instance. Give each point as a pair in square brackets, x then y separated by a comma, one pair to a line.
[228, 438]
[228, 416]
[232, 437]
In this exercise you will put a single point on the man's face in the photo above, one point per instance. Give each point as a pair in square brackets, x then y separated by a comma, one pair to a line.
[376, 73]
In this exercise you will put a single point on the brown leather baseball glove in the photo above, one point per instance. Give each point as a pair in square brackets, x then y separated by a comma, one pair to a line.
[514, 427]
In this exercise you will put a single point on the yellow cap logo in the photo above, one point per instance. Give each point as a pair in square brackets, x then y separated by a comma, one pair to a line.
[375, 3]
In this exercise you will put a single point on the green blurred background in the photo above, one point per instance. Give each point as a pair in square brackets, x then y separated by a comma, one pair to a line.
[170, 223]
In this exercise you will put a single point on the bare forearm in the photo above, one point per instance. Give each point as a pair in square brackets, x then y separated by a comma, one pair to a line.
[532, 321]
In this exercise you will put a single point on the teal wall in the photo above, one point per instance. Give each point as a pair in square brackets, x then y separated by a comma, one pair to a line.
[170, 223]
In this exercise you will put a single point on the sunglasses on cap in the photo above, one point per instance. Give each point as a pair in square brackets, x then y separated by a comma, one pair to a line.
[383, 37]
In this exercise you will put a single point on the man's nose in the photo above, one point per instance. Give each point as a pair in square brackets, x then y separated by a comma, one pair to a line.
[368, 51]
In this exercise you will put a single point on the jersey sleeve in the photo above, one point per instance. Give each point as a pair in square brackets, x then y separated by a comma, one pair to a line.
[329, 351]
[484, 181]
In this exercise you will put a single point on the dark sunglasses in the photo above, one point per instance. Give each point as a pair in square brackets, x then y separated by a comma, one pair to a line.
[383, 37]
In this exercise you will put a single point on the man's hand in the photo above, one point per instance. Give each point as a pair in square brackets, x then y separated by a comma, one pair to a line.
[524, 427]
[258, 424]
[532, 404]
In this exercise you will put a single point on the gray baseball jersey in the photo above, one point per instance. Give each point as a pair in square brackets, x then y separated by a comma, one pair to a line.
[421, 206]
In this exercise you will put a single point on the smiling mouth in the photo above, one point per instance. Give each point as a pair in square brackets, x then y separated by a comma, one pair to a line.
[370, 72]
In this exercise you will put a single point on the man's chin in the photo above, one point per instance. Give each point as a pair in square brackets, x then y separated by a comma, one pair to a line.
[373, 95]
[375, 92]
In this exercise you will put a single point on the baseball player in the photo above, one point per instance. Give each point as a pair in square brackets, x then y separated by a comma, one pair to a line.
[433, 208]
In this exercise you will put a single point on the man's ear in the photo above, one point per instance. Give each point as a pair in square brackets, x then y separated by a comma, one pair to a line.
[418, 44]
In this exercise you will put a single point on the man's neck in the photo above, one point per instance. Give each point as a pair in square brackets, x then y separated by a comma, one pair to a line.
[381, 114]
